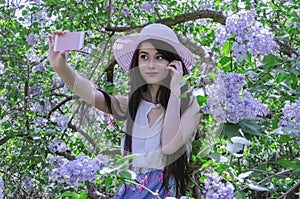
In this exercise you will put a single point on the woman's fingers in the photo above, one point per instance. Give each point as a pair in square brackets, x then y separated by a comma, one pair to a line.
[59, 32]
[175, 66]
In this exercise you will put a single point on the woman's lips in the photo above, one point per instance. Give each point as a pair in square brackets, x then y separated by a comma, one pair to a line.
[152, 74]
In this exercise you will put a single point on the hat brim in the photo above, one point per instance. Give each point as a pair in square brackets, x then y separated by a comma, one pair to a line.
[124, 48]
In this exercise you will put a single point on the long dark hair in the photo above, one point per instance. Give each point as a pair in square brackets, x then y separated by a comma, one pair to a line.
[176, 168]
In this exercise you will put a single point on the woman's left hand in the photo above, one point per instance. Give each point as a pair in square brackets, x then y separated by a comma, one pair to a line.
[176, 74]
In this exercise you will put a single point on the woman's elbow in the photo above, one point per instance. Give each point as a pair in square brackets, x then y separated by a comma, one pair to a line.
[170, 148]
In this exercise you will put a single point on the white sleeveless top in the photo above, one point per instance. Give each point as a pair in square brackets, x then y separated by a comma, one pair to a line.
[146, 140]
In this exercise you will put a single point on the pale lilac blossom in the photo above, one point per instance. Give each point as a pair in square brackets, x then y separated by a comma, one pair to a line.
[248, 34]
[103, 159]
[147, 6]
[57, 145]
[31, 39]
[126, 11]
[227, 103]
[37, 107]
[295, 58]
[82, 168]
[40, 121]
[1, 183]
[27, 183]
[33, 90]
[38, 67]
[1, 68]
[291, 114]
[216, 189]
[61, 122]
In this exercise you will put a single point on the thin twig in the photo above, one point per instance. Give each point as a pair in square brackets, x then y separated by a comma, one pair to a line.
[290, 190]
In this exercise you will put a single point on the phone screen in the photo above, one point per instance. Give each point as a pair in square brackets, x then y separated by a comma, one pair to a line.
[69, 41]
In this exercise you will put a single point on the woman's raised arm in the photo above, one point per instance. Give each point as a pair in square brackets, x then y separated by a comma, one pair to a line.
[81, 86]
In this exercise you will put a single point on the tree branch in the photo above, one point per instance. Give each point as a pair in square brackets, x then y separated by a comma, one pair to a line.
[189, 16]
[5, 139]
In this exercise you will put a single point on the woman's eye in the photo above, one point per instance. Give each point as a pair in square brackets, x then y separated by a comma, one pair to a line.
[144, 57]
[160, 57]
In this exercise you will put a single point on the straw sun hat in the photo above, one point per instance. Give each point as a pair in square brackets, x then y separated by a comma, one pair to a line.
[125, 46]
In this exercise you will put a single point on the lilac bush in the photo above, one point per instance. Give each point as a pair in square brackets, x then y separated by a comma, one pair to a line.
[147, 6]
[31, 39]
[56, 145]
[215, 188]
[291, 114]
[227, 103]
[1, 187]
[72, 172]
[295, 58]
[248, 34]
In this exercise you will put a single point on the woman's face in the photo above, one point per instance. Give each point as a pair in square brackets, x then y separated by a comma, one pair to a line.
[152, 66]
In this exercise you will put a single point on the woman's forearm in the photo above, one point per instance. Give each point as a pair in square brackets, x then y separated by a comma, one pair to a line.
[66, 74]
[171, 122]
[81, 86]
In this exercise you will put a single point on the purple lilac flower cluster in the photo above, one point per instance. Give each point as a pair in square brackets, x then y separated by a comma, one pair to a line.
[249, 35]
[227, 104]
[37, 107]
[1, 187]
[1, 68]
[56, 145]
[27, 183]
[216, 189]
[147, 6]
[291, 114]
[72, 172]
[295, 58]
[61, 122]
[31, 39]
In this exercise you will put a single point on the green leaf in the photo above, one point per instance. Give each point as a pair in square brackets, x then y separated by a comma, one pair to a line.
[224, 61]
[286, 163]
[270, 59]
[215, 156]
[231, 130]
[24, 12]
[240, 195]
[201, 99]
[206, 164]
[125, 174]
[211, 76]
[251, 126]
[255, 186]
[71, 194]
[240, 140]
[82, 195]
[107, 182]
[125, 158]
[202, 179]
[284, 138]
[226, 47]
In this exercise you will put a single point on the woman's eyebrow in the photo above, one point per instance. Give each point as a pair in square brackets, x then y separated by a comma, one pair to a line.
[143, 52]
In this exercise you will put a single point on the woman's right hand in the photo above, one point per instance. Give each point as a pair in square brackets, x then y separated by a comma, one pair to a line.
[57, 59]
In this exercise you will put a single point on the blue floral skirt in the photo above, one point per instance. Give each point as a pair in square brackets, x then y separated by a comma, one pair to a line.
[151, 179]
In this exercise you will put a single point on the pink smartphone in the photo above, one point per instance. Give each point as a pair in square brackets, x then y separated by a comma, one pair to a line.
[69, 41]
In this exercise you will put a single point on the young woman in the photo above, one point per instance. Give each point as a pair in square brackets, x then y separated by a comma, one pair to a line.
[159, 123]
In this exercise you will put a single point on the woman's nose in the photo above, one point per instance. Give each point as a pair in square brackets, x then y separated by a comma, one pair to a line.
[151, 63]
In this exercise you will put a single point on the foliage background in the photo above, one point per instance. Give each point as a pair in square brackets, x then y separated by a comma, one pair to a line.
[270, 164]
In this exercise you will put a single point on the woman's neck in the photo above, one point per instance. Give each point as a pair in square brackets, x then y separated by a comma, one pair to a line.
[151, 93]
